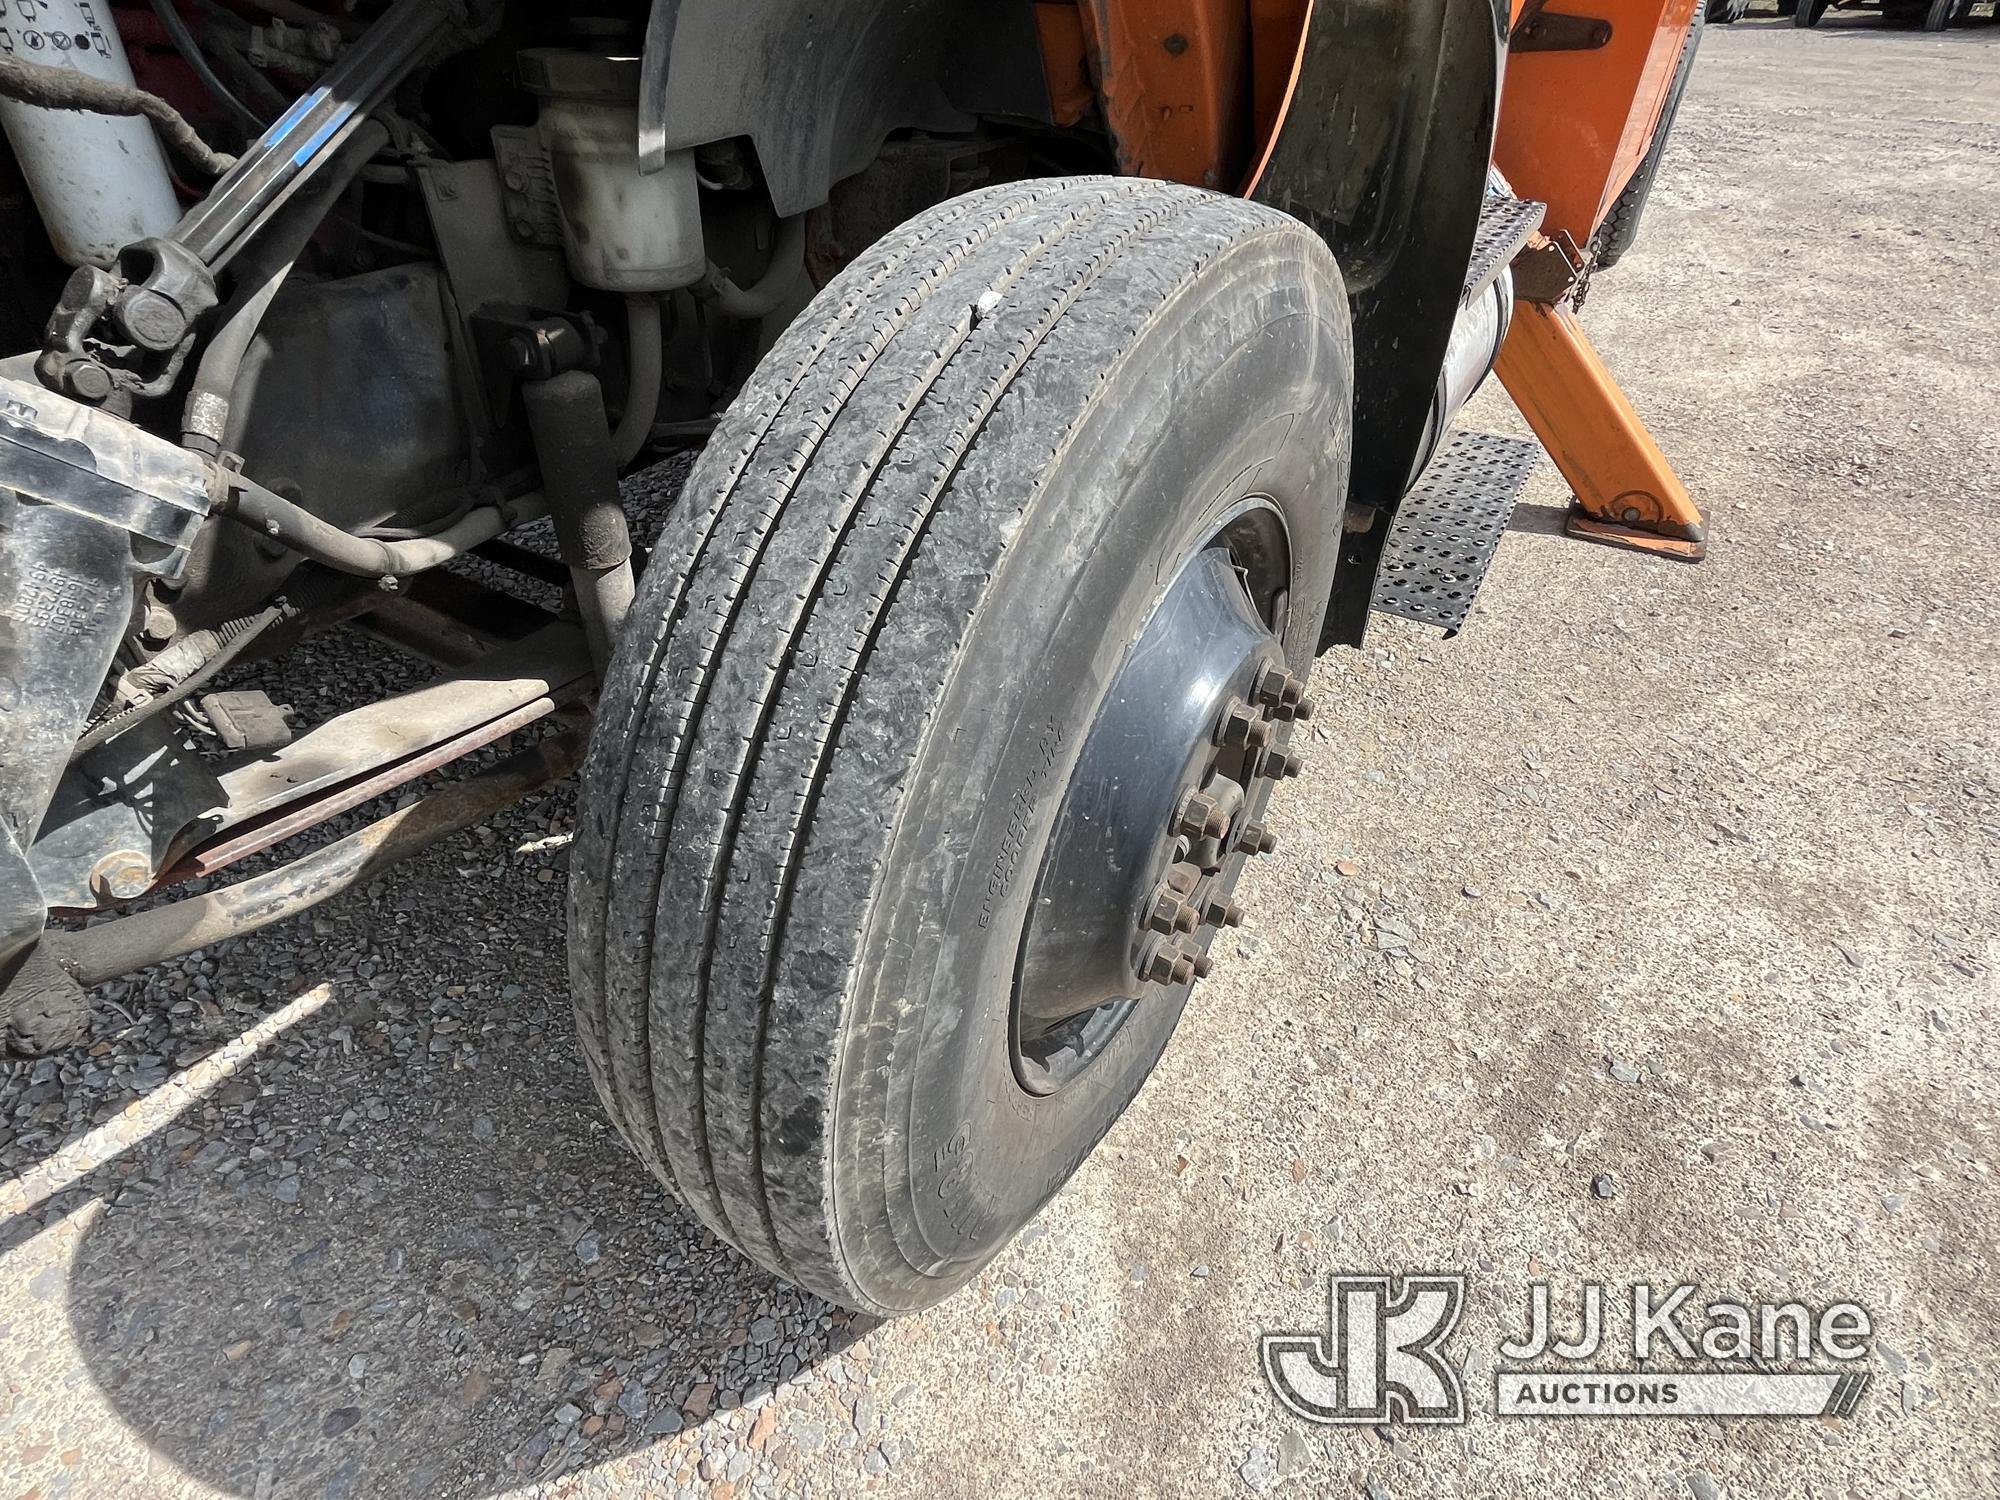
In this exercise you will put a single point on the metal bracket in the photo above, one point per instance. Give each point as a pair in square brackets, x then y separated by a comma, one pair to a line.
[1549, 270]
[1554, 31]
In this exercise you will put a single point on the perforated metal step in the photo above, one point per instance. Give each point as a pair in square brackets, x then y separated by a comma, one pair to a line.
[1504, 227]
[1448, 527]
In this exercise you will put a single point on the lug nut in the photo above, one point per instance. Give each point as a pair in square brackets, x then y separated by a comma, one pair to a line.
[1201, 817]
[1278, 689]
[1222, 913]
[1203, 965]
[1242, 727]
[1171, 914]
[1184, 966]
[1304, 709]
[1255, 838]
[1278, 765]
[1156, 963]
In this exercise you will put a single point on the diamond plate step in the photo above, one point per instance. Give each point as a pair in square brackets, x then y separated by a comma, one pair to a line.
[1448, 527]
[1504, 227]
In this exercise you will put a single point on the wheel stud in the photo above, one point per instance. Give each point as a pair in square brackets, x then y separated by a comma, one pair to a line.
[1255, 838]
[1222, 913]
[1183, 966]
[1201, 817]
[1171, 914]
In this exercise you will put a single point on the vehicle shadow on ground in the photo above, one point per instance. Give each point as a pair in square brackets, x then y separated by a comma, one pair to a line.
[398, 1251]
[1538, 520]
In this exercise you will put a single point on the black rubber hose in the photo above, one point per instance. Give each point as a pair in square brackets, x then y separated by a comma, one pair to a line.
[780, 276]
[191, 54]
[251, 505]
[260, 271]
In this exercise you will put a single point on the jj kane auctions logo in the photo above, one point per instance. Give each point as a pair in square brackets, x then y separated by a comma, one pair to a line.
[1381, 1357]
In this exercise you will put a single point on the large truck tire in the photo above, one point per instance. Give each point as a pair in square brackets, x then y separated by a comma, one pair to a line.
[1620, 229]
[982, 569]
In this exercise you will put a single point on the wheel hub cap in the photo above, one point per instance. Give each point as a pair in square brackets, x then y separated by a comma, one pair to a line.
[1158, 821]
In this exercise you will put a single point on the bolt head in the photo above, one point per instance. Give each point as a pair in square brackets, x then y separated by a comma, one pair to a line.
[86, 380]
[123, 876]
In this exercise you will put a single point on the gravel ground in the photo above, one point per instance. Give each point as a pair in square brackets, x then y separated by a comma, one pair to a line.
[1672, 884]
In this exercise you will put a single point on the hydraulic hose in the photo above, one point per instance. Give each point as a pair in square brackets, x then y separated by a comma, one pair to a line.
[642, 393]
[779, 278]
[261, 270]
[251, 505]
[191, 54]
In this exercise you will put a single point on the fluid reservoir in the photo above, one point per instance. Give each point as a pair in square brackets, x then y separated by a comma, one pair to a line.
[100, 181]
[621, 232]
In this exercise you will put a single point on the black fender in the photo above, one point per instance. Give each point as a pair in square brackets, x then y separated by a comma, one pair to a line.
[818, 87]
[1383, 148]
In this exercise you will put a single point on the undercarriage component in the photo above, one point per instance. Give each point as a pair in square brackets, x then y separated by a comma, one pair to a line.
[89, 506]
[108, 949]
[125, 333]
[580, 479]
[250, 504]
[42, 1008]
[1626, 491]
[1447, 529]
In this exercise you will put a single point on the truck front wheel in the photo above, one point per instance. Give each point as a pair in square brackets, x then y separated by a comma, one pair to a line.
[952, 697]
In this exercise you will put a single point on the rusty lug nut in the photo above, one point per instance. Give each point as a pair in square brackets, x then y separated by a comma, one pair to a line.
[1156, 963]
[1203, 965]
[1201, 817]
[1304, 709]
[1278, 765]
[1222, 913]
[1237, 721]
[1279, 690]
[1242, 727]
[1171, 914]
[1255, 838]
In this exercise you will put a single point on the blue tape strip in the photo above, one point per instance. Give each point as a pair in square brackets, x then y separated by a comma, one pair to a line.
[319, 137]
[288, 121]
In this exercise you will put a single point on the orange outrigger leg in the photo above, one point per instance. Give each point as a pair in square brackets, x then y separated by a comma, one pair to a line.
[1627, 493]
[1575, 122]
